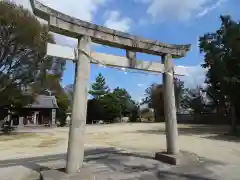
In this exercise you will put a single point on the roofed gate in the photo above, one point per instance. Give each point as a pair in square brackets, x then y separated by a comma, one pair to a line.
[86, 33]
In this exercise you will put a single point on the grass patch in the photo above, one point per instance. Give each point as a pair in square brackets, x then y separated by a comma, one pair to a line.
[16, 136]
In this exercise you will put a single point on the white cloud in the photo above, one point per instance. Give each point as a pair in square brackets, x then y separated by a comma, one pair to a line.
[116, 22]
[181, 10]
[83, 10]
[140, 85]
[195, 75]
[210, 8]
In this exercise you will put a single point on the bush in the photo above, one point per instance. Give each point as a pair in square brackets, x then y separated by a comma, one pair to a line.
[7, 128]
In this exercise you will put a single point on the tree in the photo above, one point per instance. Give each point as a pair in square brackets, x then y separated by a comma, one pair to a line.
[95, 111]
[99, 88]
[107, 105]
[221, 59]
[179, 91]
[117, 103]
[52, 87]
[124, 99]
[112, 107]
[22, 50]
[134, 112]
[193, 100]
[63, 104]
[69, 91]
[155, 97]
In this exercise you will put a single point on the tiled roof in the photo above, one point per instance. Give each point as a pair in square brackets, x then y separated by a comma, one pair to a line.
[43, 101]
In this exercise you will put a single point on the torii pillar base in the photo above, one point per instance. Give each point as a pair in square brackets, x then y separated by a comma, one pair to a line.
[182, 158]
[172, 159]
[60, 174]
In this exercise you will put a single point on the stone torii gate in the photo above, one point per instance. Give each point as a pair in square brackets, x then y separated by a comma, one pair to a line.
[86, 33]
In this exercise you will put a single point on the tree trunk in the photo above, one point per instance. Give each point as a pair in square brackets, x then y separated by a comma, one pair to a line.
[159, 117]
[233, 119]
[218, 108]
[155, 114]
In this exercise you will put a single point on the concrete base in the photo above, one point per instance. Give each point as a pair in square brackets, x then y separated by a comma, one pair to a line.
[167, 158]
[182, 158]
[61, 175]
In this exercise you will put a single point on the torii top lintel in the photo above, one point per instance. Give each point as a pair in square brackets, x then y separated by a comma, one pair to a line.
[73, 27]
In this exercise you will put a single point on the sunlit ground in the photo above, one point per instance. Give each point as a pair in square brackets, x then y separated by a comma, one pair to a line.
[206, 141]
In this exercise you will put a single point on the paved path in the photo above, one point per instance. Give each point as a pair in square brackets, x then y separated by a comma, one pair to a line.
[219, 155]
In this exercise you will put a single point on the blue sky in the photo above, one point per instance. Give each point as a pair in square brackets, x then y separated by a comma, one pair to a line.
[170, 21]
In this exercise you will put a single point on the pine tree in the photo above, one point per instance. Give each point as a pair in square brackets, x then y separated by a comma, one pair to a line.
[99, 88]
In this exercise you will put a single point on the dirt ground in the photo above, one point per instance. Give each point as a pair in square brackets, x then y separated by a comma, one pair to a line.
[205, 141]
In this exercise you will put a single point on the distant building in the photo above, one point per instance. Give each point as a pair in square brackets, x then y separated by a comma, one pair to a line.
[41, 112]
[147, 115]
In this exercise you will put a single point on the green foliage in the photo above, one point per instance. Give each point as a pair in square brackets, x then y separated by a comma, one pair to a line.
[108, 105]
[124, 100]
[112, 107]
[99, 88]
[221, 59]
[134, 112]
[95, 110]
[22, 50]
[179, 91]
[117, 104]
[63, 104]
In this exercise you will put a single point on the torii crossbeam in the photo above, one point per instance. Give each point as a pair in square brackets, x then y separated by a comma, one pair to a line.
[69, 53]
[86, 33]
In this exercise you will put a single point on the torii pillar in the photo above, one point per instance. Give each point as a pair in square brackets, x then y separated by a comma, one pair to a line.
[169, 113]
[169, 105]
[75, 150]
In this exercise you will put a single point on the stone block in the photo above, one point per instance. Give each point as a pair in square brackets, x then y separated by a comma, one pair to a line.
[167, 158]
[83, 174]
[182, 158]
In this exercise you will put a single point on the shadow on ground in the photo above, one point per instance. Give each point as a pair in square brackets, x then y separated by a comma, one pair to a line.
[118, 164]
[224, 137]
[218, 132]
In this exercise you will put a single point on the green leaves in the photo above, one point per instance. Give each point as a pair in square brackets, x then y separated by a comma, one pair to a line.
[99, 88]
[22, 55]
[222, 59]
[110, 105]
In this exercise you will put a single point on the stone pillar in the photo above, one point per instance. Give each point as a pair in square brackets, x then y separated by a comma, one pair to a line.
[75, 153]
[169, 105]
[20, 122]
[35, 117]
[11, 122]
[9, 116]
[53, 116]
[132, 58]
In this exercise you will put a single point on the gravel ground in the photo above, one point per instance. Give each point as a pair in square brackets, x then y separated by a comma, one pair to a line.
[208, 142]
